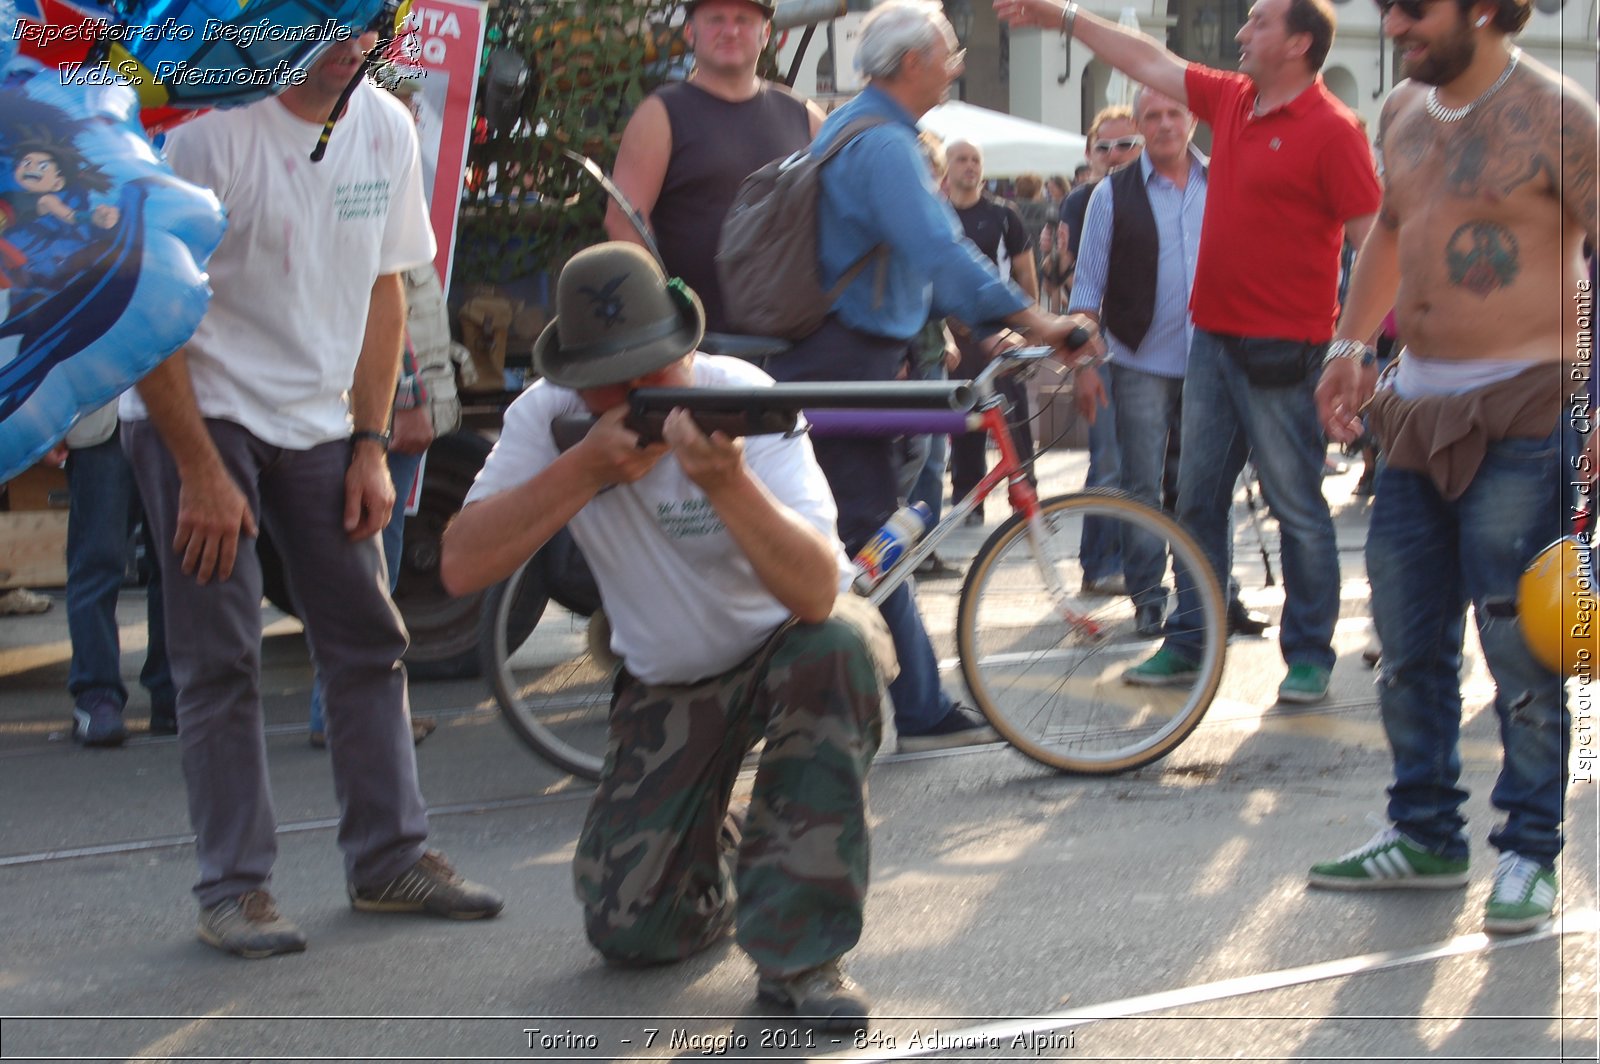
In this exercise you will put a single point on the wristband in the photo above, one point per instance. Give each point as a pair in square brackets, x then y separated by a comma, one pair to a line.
[1069, 20]
[1353, 349]
[380, 438]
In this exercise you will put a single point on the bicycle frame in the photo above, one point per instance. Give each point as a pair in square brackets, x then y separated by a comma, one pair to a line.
[990, 413]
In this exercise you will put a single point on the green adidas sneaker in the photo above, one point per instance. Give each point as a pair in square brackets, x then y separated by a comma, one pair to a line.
[1524, 896]
[1164, 668]
[1390, 861]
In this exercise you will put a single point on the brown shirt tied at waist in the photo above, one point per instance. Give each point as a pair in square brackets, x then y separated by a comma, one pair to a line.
[1446, 436]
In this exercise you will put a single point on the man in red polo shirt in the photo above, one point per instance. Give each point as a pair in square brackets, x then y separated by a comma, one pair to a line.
[1291, 179]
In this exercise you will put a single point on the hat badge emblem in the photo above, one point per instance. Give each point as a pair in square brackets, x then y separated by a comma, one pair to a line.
[607, 306]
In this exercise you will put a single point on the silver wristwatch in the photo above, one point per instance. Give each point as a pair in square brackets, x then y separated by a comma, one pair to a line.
[1350, 349]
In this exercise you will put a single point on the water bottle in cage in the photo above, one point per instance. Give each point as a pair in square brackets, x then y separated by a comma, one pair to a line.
[889, 543]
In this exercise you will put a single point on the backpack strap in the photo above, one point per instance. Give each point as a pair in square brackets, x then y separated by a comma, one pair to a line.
[878, 251]
[850, 132]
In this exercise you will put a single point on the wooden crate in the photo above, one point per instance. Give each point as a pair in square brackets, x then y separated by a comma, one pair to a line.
[37, 488]
[33, 549]
[33, 534]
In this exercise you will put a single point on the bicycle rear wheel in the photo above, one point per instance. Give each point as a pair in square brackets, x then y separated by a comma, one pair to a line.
[550, 690]
[1045, 667]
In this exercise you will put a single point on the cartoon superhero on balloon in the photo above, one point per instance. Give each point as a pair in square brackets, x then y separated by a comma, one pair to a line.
[69, 250]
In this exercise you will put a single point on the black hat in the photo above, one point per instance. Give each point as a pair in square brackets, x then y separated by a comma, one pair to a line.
[769, 6]
[617, 317]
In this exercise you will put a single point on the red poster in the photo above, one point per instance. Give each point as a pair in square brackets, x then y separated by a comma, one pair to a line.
[442, 61]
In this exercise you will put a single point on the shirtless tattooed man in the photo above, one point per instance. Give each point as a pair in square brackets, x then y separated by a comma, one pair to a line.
[1489, 162]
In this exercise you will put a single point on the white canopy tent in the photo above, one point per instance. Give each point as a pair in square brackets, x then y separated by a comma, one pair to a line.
[1010, 145]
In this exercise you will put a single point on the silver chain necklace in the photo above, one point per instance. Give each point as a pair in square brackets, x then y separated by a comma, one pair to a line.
[1440, 113]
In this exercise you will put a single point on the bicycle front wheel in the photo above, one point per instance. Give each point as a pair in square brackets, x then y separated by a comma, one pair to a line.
[551, 691]
[1044, 657]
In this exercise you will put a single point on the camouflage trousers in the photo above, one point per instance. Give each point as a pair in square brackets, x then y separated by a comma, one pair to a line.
[658, 870]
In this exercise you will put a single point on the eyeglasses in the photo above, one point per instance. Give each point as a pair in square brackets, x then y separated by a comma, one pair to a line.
[1415, 10]
[1124, 143]
[955, 60]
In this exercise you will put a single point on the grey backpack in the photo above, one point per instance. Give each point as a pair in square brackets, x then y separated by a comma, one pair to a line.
[767, 255]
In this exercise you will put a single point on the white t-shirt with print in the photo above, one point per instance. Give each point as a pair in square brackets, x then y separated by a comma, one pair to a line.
[292, 279]
[683, 600]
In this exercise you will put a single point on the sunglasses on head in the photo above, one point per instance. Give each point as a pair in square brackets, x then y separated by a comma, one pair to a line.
[1415, 10]
[1121, 144]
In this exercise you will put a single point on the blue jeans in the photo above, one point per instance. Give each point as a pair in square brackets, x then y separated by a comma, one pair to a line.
[1428, 558]
[1147, 408]
[861, 474]
[1226, 419]
[402, 471]
[1100, 547]
[919, 702]
[105, 507]
[928, 487]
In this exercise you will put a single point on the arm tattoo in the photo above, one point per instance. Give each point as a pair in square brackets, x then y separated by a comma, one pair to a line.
[1578, 165]
[1482, 257]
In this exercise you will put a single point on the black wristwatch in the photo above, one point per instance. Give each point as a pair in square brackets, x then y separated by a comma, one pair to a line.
[380, 438]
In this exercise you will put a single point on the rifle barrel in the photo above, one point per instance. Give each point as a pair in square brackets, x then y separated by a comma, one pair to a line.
[838, 395]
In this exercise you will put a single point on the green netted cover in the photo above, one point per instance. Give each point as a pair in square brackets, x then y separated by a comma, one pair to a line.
[526, 207]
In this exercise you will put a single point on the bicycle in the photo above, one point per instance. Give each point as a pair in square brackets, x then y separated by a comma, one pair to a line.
[1043, 662]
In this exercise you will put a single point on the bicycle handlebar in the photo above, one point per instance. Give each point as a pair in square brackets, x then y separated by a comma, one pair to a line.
[1020, 359]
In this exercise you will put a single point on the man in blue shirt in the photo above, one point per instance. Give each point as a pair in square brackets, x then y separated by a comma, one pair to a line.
[1136, 260]
[877, 193]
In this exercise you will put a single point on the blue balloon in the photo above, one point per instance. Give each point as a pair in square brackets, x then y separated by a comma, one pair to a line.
[8, 31]
[225, 53]
[101, 255]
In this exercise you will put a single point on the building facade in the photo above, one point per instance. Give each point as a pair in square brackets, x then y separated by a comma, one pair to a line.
[1025, 72]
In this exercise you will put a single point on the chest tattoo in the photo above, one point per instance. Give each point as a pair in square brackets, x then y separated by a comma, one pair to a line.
[1482, 258]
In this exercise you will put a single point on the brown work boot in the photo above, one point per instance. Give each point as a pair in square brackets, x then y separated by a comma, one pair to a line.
[249, 926]
[823, 995]
[429, 886]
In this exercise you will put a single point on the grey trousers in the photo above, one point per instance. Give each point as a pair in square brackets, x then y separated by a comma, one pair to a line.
[214, 641]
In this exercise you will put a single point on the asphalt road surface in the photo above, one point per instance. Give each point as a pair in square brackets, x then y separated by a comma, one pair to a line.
[1015, 914]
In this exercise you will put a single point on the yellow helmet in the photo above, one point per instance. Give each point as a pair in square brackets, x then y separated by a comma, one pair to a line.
[1557, 608]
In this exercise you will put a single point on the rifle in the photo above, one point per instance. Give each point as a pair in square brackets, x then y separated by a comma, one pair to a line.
[764, 411]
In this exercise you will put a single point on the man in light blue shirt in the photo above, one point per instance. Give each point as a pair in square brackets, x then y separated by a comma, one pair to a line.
[877, 193]
[1136, 262]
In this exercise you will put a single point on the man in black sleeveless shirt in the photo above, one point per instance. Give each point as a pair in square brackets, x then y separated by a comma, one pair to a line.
[691, 144]
[996, 228]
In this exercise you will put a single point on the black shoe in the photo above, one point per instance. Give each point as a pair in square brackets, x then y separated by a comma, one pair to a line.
[934, 567]
[1113, 586]
[960, 727]
[163, 721]
[99, 723]
[1148, 620]
[1245, 622]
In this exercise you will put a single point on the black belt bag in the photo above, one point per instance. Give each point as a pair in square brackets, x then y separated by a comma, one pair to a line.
[1269, 363]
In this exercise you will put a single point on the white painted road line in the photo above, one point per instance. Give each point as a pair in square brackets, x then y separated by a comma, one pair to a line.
[1038, 1029]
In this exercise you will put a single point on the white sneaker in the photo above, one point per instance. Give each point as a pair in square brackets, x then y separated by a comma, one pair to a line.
[19, 601]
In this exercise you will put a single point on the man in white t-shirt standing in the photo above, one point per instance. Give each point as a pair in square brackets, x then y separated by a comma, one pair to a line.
[252, 422]
[718, 563]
